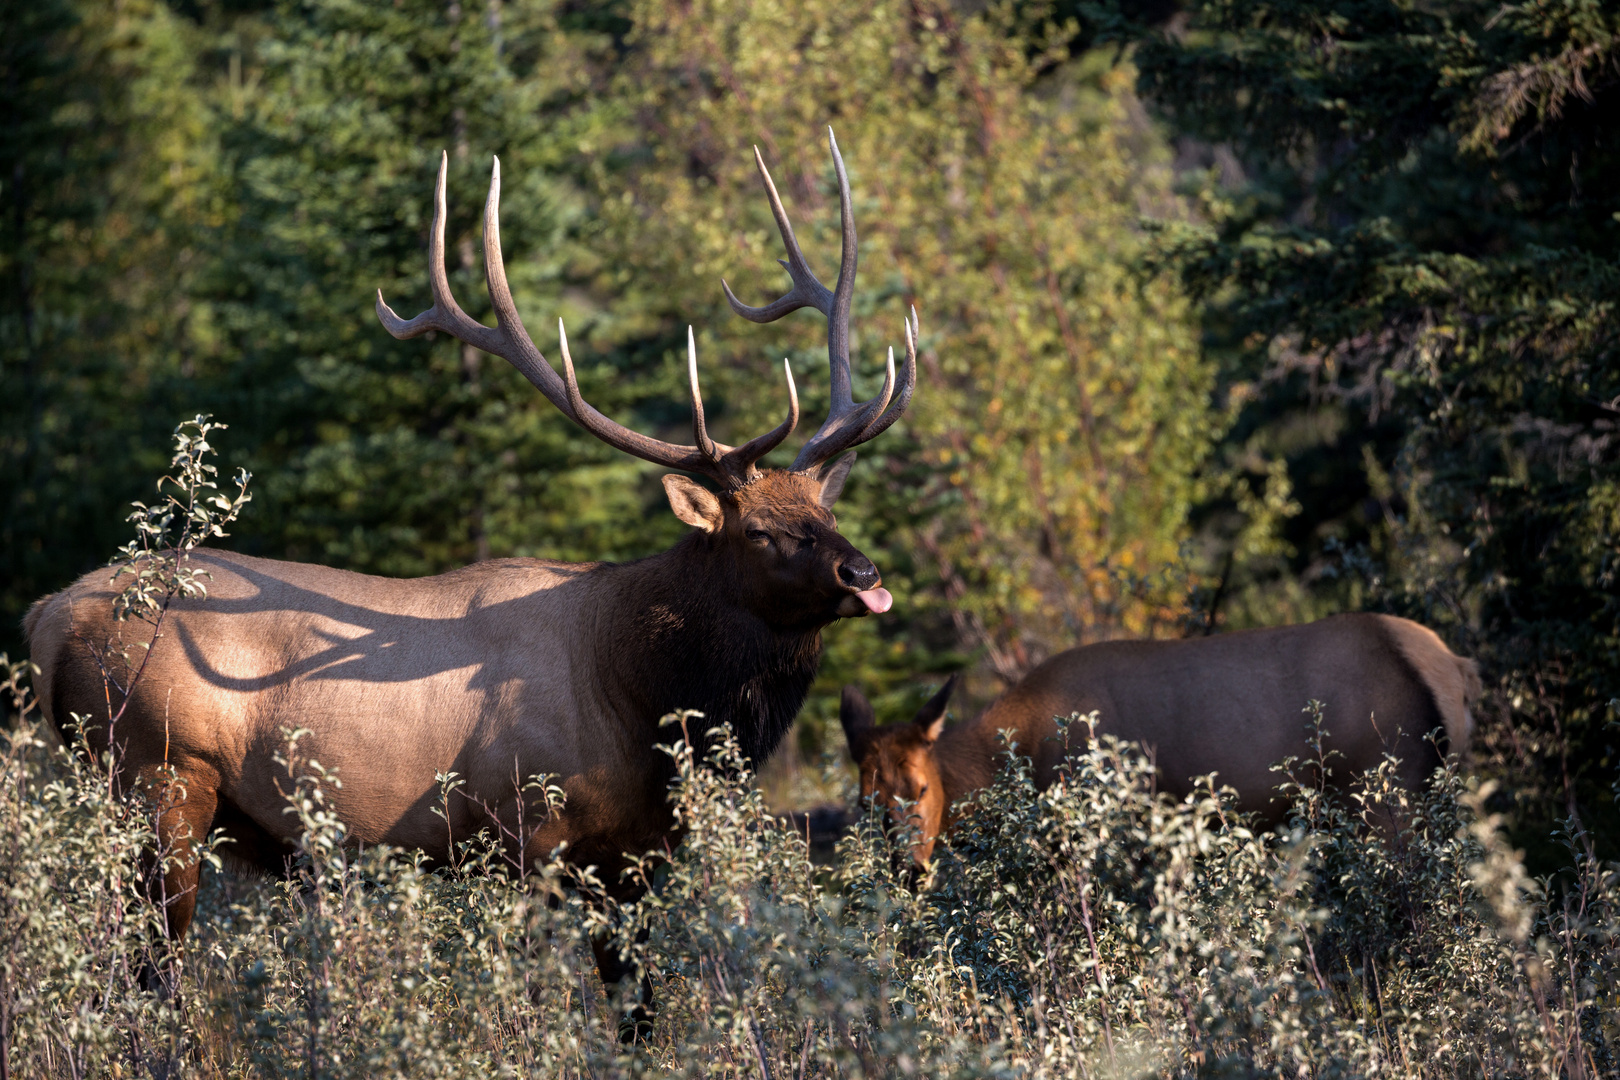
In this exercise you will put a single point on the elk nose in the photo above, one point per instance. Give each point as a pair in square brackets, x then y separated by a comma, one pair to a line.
[859, 573]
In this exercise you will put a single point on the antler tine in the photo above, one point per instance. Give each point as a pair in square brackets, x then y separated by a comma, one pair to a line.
[807, 291]
[844, 292]
[908, 383]
[731, 466]
[881, 412]
[759, 446]
[523, 354]
[445, 314]
[700, 430]
[510, 340]
[688, 458]
[749, 452]
[848, 423]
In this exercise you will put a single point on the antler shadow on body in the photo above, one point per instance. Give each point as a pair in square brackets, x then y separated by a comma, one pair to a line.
[507, 668]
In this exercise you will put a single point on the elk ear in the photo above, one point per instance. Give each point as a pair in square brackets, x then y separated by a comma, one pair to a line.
[693, 503]
[832, 476]
[930, 719]
[855, 712]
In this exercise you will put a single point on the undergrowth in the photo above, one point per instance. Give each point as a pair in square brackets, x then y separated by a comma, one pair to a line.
[1095, 929]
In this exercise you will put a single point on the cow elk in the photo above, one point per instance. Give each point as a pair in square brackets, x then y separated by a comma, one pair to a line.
[1228, 704]
[507, 668]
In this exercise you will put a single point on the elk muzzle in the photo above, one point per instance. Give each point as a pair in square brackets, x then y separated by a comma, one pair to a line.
[867, 594]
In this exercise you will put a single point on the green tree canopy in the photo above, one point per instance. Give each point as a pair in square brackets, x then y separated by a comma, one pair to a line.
[103, 186]
[1409, 273]
[1051, 453]
[398, 458]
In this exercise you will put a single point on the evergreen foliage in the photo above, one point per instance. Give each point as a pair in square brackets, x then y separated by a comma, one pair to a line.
[388, 457]
[1405, 251]
[104, 182]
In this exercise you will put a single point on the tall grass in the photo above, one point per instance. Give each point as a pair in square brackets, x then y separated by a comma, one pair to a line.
[1095, 929]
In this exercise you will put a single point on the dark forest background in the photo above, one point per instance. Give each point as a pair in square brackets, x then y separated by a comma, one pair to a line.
[1233, 314]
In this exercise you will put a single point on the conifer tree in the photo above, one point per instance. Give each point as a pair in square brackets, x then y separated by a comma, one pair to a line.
[1410, 279]
[383, 456]
[104, 149]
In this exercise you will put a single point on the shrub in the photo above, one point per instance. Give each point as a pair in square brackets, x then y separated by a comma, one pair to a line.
[1095, 928]
[1384, 932]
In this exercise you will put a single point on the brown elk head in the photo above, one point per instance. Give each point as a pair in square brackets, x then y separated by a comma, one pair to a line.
[772, 529]
[899, 769]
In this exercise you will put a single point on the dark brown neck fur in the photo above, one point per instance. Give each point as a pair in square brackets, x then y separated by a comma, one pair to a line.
[681, 638]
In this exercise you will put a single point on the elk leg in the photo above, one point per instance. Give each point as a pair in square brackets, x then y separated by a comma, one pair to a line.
[183, 802]
[250, 847]
[636, 1023]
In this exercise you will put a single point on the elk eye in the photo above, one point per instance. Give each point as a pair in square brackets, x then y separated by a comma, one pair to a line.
[759, 536]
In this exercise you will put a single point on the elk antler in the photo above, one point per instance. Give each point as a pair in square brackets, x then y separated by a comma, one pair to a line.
[848, 424]
[729, 466]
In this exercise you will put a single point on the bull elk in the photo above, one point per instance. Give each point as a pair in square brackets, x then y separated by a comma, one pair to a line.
[506, 668]
[1228, 704]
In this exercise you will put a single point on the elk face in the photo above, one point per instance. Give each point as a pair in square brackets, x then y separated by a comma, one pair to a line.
[899, 767]
[794, 567]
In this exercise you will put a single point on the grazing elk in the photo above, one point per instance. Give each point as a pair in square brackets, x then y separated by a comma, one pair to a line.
[507, 668]
[1228, 704]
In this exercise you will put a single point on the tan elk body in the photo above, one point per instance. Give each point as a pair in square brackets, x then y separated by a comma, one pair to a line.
[1230, 704]
[505, 669]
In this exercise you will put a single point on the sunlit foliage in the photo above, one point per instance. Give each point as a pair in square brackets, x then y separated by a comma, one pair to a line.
[1092, 929]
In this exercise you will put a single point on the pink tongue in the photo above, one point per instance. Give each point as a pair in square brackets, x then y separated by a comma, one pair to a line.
[877, 600]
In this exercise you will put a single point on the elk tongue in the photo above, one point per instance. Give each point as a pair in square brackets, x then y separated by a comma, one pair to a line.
[876, 600]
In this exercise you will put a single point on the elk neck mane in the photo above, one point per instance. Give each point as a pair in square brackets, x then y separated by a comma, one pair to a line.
[680, 637]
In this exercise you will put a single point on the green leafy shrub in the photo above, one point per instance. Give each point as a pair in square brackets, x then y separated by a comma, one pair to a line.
[1095, 928]
[75, 927]
[1387, 931]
